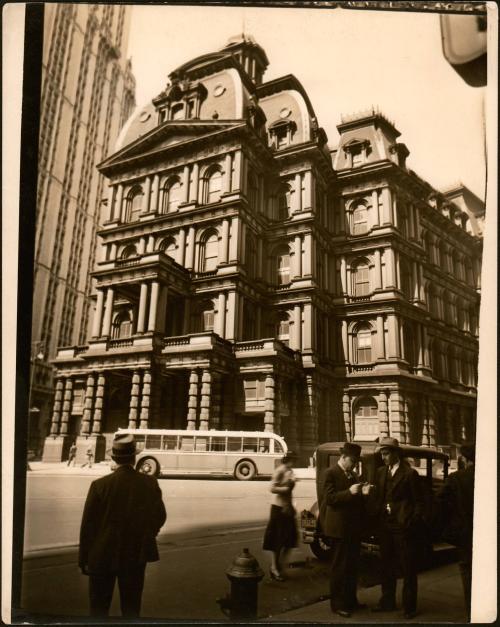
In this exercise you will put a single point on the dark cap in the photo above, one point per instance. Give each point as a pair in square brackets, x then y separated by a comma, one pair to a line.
[351, 450]
[123, 446]
[468, 450]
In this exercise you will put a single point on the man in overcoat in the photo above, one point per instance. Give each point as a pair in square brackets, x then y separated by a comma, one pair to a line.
[457, 509]
[341, 517]
[400, 508]
[123, 514]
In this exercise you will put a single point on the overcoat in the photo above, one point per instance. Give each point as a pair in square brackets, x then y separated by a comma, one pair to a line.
[123, 514]
[407, 500]
[341, 513]
[456, 500]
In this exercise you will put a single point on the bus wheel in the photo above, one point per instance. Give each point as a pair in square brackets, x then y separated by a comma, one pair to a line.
[245, 470]
[320, 549]
[148, 466]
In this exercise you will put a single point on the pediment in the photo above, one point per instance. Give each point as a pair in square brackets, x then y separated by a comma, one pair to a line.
[166, 136]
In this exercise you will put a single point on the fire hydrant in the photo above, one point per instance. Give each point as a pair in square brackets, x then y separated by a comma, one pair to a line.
[244, 575]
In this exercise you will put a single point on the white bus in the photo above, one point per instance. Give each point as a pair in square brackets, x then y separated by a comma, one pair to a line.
[243, 454]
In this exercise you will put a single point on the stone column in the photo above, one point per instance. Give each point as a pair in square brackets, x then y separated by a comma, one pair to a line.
[307, 329]
[142, 246]
[153, 208]
[195, 183]
[153, 307]
[397, 415]
[228, 171]
[345, 343]
[56, 410]
[269, 403]
[99, 397]
[206, 388]
[420, 346]
[190, 249]
[386, 206]
[297, 328]
[193, 400]
[109, 312]
[310, 424]
[343, 274]
[112, 252]
[449, 423]
[346, 411]
[66, 409]
[378, 270]
[97, 322]
[239, 309]
[383, 411]
[231, 316]
[297, 196]
[233, 241]
[133, 413]
[117, 212]
[395, 217]
[224, 242]
[110, 198]
[306, 261]
[375, 209]
[236, 185]
[298, 256]
[307, 201]
[260, 256]
[181, 250]
[88, 405]
[390, 268]
[431, 422]
[215, 409]
[150, 245]
[147, 196]
[145, 400]
[185, 184]
[221, 315]
[141, 318]
[243, 242]
[394, 347]
[380, 337]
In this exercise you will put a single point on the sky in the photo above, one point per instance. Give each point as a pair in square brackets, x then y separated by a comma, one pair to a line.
[347, 61]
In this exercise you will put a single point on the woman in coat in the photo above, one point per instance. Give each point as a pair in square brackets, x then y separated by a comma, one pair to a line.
[281, 531]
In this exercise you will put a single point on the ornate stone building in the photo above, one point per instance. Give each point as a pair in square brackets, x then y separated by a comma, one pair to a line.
[252, 278]
[87, 95]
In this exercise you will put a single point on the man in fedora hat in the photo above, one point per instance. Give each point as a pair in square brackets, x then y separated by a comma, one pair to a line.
[341, 516]
[456, 500]
[399, 505]
[123, 514]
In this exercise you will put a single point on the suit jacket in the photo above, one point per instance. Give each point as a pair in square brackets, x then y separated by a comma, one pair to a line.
[407, 500]
[122, 516]
[341, 513]
[456, 504]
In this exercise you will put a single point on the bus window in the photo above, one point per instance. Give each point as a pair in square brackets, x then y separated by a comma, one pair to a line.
[278, 447]
[200, 444]
[217, 444]
[170, 442]
[139, 442]
[153, 441]
[234, 444]
[187, 443]
[250, 445]
[264, 445]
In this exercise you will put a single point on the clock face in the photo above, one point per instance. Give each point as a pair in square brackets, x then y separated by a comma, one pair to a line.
[285, 112]
[144, 117]
[219, 90]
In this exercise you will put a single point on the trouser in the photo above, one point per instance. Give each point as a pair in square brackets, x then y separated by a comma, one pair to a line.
[398, 552]
[130, 585]
[344, 574]
[465, 566]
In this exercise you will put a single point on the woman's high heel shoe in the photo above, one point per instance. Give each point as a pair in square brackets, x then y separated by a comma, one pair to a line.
[276, 575]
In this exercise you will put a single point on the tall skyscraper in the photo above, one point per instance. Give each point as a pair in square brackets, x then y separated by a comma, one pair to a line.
[88, 91]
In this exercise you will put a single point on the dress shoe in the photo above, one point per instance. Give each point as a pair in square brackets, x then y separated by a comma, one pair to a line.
[276, 575]
[343, 613]
[381, 608]
[410, 615]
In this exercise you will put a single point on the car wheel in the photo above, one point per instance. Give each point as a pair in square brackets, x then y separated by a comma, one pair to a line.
[245, 470]
[149, 466]
[321, 549]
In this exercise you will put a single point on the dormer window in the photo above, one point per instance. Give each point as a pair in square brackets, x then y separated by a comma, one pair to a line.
[177, 111]
[281, 133]
[356, 152]
[181, 100]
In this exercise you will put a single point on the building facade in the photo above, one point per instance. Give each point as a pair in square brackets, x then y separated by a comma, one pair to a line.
[252, 278]
[87, 95]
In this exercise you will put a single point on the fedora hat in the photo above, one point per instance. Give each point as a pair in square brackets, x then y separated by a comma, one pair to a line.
[351, 450]
[386, 442]
[123, 446]
[468, 450]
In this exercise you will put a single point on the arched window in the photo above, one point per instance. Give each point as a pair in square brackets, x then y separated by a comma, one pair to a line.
[133, 204]
[361, 278]
[366, 424]
[171, 195]
[168, 247]
[285, 201]
[282, 265]
[363, 344]
[405, 274]
[283, 328]
[209, 252]
[213, 186]
[359, 220]
[129, 251]
[122, 325]
[177, 111]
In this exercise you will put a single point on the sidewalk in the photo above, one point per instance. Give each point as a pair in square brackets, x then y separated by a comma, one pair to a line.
[440, 600]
